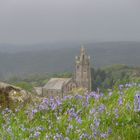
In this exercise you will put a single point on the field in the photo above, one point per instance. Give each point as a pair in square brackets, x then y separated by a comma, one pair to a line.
[113, 115]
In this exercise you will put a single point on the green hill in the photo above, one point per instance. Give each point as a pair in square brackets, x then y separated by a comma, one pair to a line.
[109, 76]
[59, 57]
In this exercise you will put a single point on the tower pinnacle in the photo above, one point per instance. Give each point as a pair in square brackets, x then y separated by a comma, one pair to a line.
[83, 70]
[82, 49]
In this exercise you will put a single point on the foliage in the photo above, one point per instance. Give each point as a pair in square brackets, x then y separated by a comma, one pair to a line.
[35, 79]
[114, 114]
[24, 85]
[109, 76]
[105, 77]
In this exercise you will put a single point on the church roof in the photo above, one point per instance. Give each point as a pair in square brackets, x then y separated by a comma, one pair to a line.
[56, 83]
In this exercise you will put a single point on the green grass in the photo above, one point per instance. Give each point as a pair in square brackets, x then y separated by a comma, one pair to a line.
[57, 122]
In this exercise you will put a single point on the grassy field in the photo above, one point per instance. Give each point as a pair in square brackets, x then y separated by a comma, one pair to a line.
[113, 115]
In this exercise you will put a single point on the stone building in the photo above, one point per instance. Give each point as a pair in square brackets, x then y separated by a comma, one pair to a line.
[82, 75]
[58, 87]
[81, 78]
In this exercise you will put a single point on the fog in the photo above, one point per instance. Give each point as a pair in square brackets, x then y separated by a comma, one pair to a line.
[40, 21]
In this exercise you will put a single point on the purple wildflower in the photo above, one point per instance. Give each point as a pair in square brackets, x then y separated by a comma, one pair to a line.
[31, 130]
[137, 102]
[101, 108]
[47, 136]
[95, 95]
[72, 113]
[70, 127]
[109, 130]
[34, 111]
[103, 135]
[45, 101]
[30, 116]
[78, 119]
[121, 87]
[36, 134]
[116, 116]
[92, 110]
[53, 106]
[116, 124]
[110, 93]
[58, 102]
[115, 110]
[78, 97]
[120, 102]
[96, 123]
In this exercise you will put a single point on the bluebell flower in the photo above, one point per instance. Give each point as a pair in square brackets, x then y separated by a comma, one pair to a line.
[103, 135]
[95, 95]
[109, 130]
[53, 106]
[36, 134]
[116, 116]
[120, 101]
[47, 136]
[116, 123]
[137, 102]
[70, 127]
[115, 110]
[23, 129]
[101, 108]
[110, 93]
[34, 111]
[92, 110]
[46, 101]
[54, 138]
[121, 87]
[78, 119]
[58, 102]
[96, 123]
[78, 97]
[31, 129]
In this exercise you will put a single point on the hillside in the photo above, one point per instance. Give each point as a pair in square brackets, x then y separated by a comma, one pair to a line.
[104, 78]
[59, 57]
[109, 76]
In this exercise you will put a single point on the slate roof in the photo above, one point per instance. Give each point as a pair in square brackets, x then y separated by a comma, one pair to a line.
[56, 83]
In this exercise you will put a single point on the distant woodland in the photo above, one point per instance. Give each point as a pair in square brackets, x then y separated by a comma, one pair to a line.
[104, 78]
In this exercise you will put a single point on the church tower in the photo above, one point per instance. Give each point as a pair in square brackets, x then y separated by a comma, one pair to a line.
[83, 70]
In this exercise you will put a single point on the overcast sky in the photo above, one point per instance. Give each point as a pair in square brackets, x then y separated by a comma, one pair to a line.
[37, 21]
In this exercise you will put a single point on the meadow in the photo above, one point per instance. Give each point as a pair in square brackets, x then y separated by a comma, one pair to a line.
[112, 115]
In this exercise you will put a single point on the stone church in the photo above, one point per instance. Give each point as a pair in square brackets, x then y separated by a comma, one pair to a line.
[81, 78]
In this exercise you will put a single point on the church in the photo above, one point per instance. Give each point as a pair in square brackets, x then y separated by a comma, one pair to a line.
[81, 78]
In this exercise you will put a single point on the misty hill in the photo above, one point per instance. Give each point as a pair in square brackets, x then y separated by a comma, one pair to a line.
[60, 57]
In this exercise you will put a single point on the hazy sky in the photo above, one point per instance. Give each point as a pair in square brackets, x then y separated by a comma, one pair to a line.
[36, 21]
